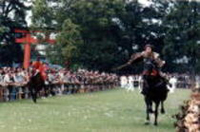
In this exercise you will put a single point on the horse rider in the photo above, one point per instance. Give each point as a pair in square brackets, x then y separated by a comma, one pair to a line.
[39, 67]
[151, 59]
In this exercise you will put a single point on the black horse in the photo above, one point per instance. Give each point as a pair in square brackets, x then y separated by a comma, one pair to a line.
[35, 85]
[154, 86]
[154, 89]
[156, 93]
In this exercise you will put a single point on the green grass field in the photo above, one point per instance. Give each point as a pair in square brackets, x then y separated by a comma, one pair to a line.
[107, 111]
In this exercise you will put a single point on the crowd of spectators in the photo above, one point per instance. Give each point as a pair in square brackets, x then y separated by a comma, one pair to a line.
[13, 81]
[20, 76]
[176, 79]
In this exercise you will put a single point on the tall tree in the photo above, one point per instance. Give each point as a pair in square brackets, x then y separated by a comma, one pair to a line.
[54, 15]
[99, 30]
[66, 48]
[12, 15]
[114, 29]
[182, 36]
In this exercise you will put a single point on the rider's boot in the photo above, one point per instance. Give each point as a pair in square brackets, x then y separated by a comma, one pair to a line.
[145, 88]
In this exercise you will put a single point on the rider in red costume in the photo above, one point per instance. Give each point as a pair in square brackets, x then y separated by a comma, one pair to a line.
[40, 67]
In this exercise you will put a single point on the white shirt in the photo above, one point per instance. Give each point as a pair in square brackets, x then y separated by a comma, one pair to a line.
[6, 78]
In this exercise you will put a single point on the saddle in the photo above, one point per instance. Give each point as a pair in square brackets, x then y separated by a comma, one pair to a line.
[153, 72]
[150, 67]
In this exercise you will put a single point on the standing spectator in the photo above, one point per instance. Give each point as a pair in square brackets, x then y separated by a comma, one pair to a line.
[173, 82]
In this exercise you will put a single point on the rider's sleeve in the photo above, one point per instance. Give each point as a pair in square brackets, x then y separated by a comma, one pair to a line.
[134, 57]
[156, 55]
[159, 61]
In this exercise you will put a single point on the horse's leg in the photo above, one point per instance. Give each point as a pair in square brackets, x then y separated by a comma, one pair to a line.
[34, 95]
[150, 107]
[51, 90]
[162, 108]
[46, 93]
[156, 112]
[147, 111]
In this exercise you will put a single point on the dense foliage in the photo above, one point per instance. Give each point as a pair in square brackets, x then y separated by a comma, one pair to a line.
[12, 15]
[102, 34]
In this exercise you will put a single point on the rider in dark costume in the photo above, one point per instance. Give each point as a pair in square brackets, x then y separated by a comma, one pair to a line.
[152, 65]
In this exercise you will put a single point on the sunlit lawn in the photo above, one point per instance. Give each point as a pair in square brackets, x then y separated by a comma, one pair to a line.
[107, 111]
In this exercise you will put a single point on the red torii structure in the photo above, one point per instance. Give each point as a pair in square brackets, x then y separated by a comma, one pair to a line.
[27, 40]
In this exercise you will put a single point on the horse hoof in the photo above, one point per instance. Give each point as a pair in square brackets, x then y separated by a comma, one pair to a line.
[147, 123]
[35, 101]
[155, 124]
[162, 111]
